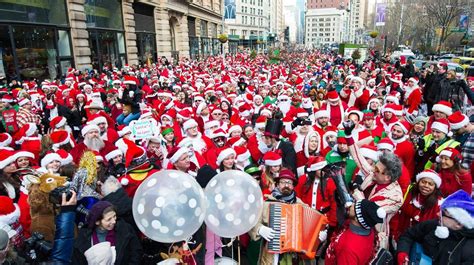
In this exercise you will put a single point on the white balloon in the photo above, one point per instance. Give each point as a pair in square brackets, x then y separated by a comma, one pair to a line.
[165, 206]
[234, 203]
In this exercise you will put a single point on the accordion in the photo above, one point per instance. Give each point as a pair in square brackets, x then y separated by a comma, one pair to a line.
[297, 228]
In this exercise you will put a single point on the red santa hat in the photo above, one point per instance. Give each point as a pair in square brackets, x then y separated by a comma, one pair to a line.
[176, 153]
[9, 213]
[218, 133]
[245, 110]
[211, 123]
[457, 120]
[60, 138]
[443, 106]
[5, 139]
[321, 114]
[405, 125]
[200, 107]
[332, 96]
[242, 153]
[50, 157]
[451, 153]
[7, 99]
[385, 144]
[23, 102]
[442, 125]
[134, 155]
[189, 124]
[57, 122]
[431, 174]
[354, 110]
[66, 158]
[272, 159]
[129, 80]
[390, 107]
[7, 157]
[225, 154]
[234, 128]
[369, 151]
[89, 127]
[184, 114]
[260, 122]
[315, 163]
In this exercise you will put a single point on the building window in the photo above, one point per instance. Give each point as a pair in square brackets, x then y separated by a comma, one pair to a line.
[204, 32]
[104, 14]
[232, 32]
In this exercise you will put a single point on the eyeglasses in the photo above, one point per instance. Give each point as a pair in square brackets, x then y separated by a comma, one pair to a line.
[217, 114]
[286, 183]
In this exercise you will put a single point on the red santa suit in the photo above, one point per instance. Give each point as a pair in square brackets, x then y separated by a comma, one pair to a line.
[336, 113]
[303, 155]
[405, 149]
[110, 135]
[413, 98]
[313, 195]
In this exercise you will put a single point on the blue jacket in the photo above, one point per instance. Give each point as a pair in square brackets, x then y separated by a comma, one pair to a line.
[64, 236]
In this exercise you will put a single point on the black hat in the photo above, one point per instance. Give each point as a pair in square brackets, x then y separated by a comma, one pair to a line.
[96, 212]
[273, 128]
[204, 175]
[368, 213]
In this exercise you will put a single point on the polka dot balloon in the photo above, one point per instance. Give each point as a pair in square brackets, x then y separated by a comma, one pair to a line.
[234, 203]
[169, 206]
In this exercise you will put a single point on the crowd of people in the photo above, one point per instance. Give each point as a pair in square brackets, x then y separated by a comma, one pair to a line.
[398, 136]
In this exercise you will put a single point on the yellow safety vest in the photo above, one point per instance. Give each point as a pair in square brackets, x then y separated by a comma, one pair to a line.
[449, 143]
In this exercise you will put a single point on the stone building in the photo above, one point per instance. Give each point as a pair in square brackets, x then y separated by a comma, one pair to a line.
[43, 38]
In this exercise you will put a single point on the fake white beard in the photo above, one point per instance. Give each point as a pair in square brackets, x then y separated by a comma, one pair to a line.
[94, 144]
[284, 106]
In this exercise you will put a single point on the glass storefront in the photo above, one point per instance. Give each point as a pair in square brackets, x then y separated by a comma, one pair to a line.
[106, 36]
[145, 30]
[194, 47]
[34, 39]
[205, 46]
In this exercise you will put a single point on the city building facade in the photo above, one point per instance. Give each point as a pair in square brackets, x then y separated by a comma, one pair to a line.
[42, 39]
[324, 26]
[248, 26]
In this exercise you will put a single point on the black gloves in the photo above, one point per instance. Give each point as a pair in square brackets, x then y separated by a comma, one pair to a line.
[349, 126]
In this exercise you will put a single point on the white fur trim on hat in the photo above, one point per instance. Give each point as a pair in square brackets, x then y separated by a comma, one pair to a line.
[25, 154]
[440, 127]
[431, 175]
[224, 154]
[50, 158]
[178, 154]
[317, 166]
[189, 124]
[31, 129]
[321, 114]
[233, 129]
[12, 217]
[385, 146]
[88, 128]
[201, 106]
[243, 157]
[393, 99]
[210, 124]
[459, 125]
[442, 108]
[124, 131]
[273, 163]
[265, 111]
[113, 154]
[239, 142]
[100, 119]
[462, 216]
[23, 102]
[61, 123]
[404, 129]
[369, 153]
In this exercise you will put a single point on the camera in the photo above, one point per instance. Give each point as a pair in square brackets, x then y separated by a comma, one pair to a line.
[37, 248]
[306, 122]
[351, 87]
[56, 195]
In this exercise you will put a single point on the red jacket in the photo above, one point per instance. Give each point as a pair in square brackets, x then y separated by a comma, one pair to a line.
[406, 152]
[326, 205]
[411, 213]
[451, 182]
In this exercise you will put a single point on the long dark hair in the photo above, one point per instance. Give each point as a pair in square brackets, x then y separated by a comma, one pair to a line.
[229, 109]
[431, 200]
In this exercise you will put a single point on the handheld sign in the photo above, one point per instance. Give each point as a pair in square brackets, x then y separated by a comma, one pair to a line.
[143, 129]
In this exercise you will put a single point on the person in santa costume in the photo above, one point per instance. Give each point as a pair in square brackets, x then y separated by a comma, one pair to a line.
[389, 112]
[321, 121]
[317, 190]
[137, 164]
[404, 148]
[179, 159]
[355, 244]
[311, 147]
[200, 143]
[92, 142]
[413, 96]
[106, 133]
[272, 162]
[356, 95]
[335, 107]
[226, 160]
[441, 110]
[447, 240]
[360, 134]
[421, 203]
[219, 139]
[9, 221]
[452, 174]
[369, 125]
[301, 127]
[431, 145]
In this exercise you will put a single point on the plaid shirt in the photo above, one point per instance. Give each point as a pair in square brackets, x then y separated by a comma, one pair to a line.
[468, 151]
[25, 116]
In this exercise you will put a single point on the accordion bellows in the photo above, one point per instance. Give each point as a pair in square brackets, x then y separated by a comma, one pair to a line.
[297, 228]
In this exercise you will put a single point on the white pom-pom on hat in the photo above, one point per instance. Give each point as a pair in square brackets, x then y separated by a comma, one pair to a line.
[124, 181]
[381, 213]
[442, 232]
